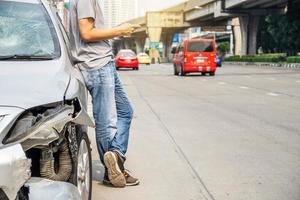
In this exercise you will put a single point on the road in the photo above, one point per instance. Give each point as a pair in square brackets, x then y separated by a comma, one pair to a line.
[234, 136]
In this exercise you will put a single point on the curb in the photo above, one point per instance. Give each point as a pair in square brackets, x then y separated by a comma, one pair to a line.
[261, 64]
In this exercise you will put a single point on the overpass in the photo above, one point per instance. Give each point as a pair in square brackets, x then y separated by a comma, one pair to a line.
[242, 15]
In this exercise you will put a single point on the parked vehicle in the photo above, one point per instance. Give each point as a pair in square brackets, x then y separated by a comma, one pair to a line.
[44, 147]
[126, 58]
[218, 61]
[195, 55]
[144, 58]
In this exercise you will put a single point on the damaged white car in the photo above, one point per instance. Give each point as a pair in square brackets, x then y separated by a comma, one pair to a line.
[44, 148]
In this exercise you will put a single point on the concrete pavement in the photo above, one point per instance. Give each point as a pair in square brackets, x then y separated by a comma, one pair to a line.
[233, 136]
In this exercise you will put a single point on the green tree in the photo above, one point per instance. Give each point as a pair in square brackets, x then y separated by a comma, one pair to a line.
[285, 30]
[223, 47]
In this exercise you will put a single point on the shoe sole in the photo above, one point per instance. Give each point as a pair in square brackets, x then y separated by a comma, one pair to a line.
[133, 184]
[115, 175]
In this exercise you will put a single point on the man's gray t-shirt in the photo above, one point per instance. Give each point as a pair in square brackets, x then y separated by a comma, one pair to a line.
[92, 55]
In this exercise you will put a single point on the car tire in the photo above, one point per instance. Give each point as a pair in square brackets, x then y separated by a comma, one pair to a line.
[182, 73]
[83, 162]
[175, 71]
[211, 73]
[137, 68]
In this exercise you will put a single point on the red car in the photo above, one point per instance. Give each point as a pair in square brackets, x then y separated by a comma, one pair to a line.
[126, 58]
[195, 55]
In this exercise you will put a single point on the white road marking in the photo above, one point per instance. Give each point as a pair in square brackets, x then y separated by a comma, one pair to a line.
[221, 83]
[298, 81]
[244, 87]
[273, 94]
[272, 79]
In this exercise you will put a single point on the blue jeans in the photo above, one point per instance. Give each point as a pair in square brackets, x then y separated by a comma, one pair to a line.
[111, 109]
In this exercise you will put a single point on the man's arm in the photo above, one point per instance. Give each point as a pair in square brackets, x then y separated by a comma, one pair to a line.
[89, 33]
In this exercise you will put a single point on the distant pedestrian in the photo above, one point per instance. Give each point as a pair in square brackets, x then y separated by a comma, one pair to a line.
[111, 108]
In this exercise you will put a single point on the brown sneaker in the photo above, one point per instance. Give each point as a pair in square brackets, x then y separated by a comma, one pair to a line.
[130, 180]
[115, 175]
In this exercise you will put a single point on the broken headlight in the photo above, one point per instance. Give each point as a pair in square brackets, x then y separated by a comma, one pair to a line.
[39, 129]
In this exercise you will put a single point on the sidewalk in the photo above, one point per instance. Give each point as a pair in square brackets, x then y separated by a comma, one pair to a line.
[264, 64]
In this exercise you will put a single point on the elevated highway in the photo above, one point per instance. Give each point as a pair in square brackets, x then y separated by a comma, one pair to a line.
[242, 15]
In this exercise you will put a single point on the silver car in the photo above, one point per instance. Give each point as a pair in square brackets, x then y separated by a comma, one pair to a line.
[44, 148]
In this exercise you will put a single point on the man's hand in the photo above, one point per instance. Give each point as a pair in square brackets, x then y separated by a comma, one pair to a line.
[127, 29]
[89, 33]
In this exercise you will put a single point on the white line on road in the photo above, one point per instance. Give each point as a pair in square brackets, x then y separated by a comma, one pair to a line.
[272, 79]
[298, 81]
[273, 94]
[244, 87]
[221, 83]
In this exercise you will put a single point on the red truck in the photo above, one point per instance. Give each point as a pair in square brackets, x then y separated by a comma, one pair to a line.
[195, 55]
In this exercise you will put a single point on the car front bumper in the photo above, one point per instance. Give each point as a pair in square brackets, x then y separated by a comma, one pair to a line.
[14, 170]
[15, 173]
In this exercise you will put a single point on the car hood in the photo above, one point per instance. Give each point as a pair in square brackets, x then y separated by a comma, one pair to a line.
[28, 84]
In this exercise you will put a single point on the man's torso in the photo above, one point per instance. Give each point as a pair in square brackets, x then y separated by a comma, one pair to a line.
[93, 55]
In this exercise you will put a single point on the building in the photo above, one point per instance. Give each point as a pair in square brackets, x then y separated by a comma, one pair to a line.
[119, 11]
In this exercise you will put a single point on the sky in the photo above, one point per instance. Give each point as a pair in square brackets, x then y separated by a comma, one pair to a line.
[152, 5]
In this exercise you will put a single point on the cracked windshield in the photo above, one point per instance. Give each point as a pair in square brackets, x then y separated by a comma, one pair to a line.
[25, 29]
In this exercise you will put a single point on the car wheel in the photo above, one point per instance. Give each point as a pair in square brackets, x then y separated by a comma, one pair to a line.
[182, 73]
[203, 73]
[82, 171]
[211, 73]
[137, 68]
[175, 71]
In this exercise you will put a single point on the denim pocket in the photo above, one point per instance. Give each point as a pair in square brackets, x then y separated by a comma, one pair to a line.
[91, 78]
[102, 76]
[106, 75]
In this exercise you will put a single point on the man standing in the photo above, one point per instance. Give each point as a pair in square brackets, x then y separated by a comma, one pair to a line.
[111, 108]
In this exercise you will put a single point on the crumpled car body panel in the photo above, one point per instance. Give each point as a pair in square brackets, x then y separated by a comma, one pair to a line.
[14, 169]
[54, 190]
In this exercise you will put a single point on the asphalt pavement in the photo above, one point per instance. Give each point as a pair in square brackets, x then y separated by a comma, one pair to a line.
[235, 136]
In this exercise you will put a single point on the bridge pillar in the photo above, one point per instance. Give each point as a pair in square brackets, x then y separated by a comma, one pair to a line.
[245, 34]
[127, 44]
[154, 34]
[253, 28]
[140, 44]
[118, 45]
[167, 45]
[244, 21]
[237, 36]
